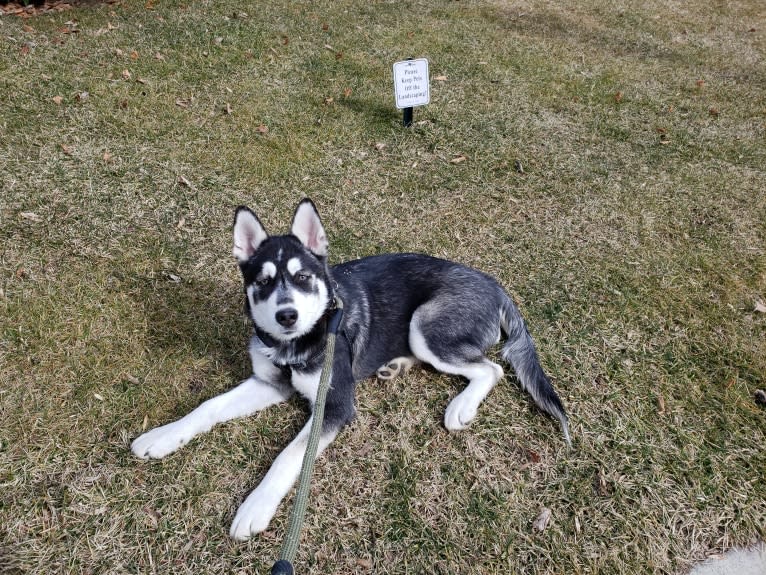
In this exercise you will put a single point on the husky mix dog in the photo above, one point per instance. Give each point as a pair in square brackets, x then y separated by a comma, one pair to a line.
[399, 310]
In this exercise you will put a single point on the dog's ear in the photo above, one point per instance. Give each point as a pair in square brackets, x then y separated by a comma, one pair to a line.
[307, 227]
[248, 234]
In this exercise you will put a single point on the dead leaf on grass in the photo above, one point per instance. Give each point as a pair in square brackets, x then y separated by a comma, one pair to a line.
[618, 97]
[759, 307]
[364, 563]
[262, 129]
[440, 78]
[126, 74]
[182, 103]
[542, 520]
[66, 149]
[31, 216]
[458, 159]
[347, 92]
[57, 100]
[184, 182]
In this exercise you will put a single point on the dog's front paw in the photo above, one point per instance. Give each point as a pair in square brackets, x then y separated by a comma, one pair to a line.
[161, 441]
[253, 516]
[461, 411]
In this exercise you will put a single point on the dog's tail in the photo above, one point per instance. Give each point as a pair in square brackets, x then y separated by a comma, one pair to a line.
[520, 352]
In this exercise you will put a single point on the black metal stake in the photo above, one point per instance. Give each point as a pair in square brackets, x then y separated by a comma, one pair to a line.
[407, 114]
[406, 117]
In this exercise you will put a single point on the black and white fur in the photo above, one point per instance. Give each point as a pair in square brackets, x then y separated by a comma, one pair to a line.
[400, 309]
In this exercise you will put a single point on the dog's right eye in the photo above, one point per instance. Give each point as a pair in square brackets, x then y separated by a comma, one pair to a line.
[264, 281]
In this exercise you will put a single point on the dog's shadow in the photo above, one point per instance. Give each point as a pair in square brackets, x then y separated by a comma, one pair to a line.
[197, 322]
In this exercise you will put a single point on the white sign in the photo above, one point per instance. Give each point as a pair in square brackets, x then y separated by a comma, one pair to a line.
[411, 83]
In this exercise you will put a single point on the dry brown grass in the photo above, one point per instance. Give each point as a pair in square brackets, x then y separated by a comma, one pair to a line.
[634, 242]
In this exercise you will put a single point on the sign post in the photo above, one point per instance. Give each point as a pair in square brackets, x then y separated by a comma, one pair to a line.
[411, 86]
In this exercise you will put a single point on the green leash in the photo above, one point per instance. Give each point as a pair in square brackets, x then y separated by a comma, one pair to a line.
[290, 546]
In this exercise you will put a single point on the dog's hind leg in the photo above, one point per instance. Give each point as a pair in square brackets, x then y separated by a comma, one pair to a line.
[396, 367]
[458, 354]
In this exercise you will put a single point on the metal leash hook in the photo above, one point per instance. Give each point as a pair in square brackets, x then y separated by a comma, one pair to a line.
[290, 546]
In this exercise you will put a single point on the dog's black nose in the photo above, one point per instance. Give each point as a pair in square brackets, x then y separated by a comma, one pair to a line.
[287, 317]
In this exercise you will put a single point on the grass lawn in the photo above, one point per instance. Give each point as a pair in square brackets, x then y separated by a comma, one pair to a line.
[606, 161]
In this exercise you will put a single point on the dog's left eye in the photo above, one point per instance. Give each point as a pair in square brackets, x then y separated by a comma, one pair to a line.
[302, 277]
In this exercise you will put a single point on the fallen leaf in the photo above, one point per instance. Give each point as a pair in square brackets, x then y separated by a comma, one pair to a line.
[227, 109]
[98, 396]
[325, 27]
[182, 103]
[380, 146]
[262, 129]
[458, 159]
[364, 563]
[577, 525]
[700, 83]
[158, 56]
[339, 55]
[660, 404]
[542, 520]
[31, 216]
[82, 96]
[440, 78]
[181, 223]
[329, 101]
[57, 100]
[713, 112]
[126, 74]
[154, 516]
[285, 40]
[347, 92]
[66, 149]
[134, 55]
[760, 307]
[184, 182]
[618, 97]
[328, 47]
[119, 53]
[145, 424]
[107, 157]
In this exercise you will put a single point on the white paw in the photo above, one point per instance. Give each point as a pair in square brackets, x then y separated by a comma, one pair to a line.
[461, 411]
[162, 441]
[253, 516]
[395, 367]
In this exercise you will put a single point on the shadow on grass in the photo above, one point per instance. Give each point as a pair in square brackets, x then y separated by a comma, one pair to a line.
[197, 320]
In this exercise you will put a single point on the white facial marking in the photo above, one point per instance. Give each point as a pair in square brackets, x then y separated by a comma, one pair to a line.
[293, 265]
[269, 270]
[310, 308]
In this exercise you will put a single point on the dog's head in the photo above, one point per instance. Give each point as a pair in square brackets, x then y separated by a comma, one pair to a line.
[286, 277]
